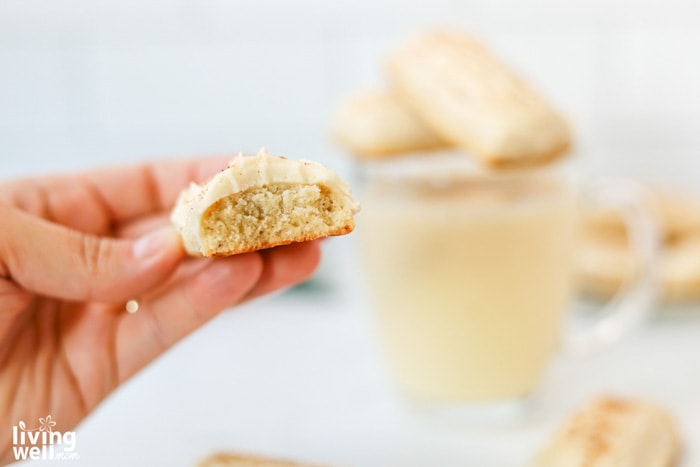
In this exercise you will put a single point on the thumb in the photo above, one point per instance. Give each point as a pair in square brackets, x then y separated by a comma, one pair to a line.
[53, 260]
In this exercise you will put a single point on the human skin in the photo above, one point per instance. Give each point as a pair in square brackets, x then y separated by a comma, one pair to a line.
[73, 250]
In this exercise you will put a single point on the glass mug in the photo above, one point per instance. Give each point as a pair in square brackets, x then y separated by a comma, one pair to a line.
[470, 274]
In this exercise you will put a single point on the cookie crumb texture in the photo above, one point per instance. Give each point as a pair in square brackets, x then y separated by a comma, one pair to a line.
[271, 215]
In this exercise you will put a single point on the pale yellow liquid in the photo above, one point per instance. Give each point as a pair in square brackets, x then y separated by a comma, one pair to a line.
[469, 287]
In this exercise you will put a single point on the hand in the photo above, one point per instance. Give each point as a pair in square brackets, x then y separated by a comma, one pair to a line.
[73, 251]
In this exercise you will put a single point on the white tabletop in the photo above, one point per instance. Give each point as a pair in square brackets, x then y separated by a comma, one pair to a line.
[301, 376]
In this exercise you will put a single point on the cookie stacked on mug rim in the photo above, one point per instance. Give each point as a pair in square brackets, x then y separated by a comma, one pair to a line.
[448, 90]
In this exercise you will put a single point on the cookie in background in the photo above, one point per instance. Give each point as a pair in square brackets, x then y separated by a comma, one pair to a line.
[445, 90]
[605, 262]
[473, 100]
[377, 125]
[614, 432]
[225, 459]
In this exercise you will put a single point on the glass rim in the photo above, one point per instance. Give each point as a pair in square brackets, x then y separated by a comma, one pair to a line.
[444, 166]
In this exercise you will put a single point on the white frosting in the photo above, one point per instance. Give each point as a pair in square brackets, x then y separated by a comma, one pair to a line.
[245, 172]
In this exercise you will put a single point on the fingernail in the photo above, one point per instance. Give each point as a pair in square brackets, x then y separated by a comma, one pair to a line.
[154, 243]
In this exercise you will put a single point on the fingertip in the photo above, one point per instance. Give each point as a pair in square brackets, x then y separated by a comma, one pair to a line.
[154, 257]
[134, 267]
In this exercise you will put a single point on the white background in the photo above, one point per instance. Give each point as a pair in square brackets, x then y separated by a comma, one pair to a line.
[86, 83]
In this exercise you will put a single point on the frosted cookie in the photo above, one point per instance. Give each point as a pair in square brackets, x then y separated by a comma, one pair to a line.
[471, 99]
[238, 460]
[375, 124]
[614, 433]
[262, 201]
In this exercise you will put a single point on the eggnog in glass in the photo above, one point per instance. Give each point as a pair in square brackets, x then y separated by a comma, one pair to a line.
[469, 274]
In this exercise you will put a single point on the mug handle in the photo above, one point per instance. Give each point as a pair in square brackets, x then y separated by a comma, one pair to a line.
[635, 301]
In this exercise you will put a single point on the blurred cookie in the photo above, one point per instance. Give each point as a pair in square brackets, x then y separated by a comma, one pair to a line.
[614, 433]
[375, 124]
[605, 262]
[240, 460]
[677, 214]
[471, 99]
[681, 269]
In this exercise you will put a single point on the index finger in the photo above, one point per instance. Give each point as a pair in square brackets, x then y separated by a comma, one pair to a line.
[99, 201]
[132, 192]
